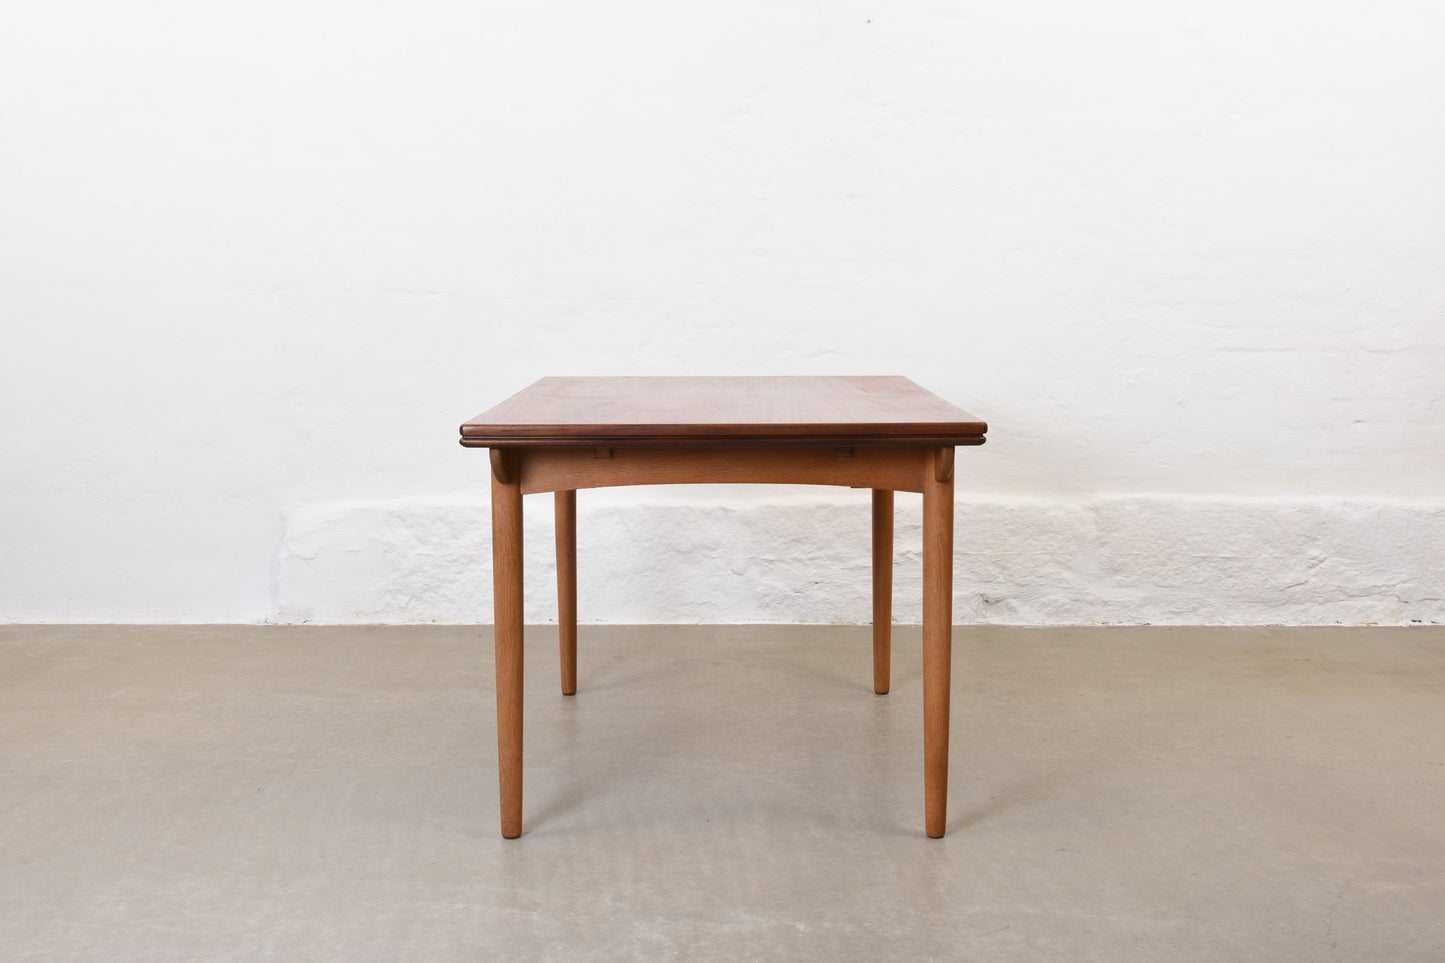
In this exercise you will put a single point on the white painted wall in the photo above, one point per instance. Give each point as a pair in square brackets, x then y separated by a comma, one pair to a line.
[258, 260]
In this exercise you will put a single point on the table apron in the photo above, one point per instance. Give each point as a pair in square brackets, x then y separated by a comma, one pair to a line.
[565, 469]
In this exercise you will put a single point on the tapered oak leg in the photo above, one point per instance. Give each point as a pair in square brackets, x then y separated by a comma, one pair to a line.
[567, 588]
[937, 635]
[882, 587]
[507, 633]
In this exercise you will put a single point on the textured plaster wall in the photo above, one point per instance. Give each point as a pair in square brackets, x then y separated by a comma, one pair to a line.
[258, 261]
[805, 558]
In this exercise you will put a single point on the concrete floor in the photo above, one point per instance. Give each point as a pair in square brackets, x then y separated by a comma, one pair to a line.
[268, 793]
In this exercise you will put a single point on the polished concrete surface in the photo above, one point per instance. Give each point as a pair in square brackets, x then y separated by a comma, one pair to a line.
[295, 793]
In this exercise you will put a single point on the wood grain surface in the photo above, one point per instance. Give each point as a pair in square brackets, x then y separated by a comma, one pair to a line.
[702, 411]
[558, 468]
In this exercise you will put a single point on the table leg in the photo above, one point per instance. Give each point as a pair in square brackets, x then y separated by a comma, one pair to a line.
[566, 503]
[882, 587]
[507, 636]
[937, 635]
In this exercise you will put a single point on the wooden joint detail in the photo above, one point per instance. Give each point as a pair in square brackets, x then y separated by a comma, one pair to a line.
[842, 452]
[602, 453]
[943, 467]
[504, 465]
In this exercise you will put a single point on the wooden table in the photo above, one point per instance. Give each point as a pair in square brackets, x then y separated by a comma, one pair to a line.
[882, 433]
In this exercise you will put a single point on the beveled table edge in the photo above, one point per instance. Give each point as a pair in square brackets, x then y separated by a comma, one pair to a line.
[811, 440]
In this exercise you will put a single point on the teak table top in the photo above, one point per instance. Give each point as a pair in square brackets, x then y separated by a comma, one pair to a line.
[723, 411]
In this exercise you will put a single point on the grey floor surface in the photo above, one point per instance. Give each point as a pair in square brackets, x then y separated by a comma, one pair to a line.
[269, 793]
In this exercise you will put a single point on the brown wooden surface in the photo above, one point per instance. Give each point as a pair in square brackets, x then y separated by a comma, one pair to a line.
[882, 589]
[701, 411]
[566, 539]
[558, 469]
[937, 640]
[507, 641]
